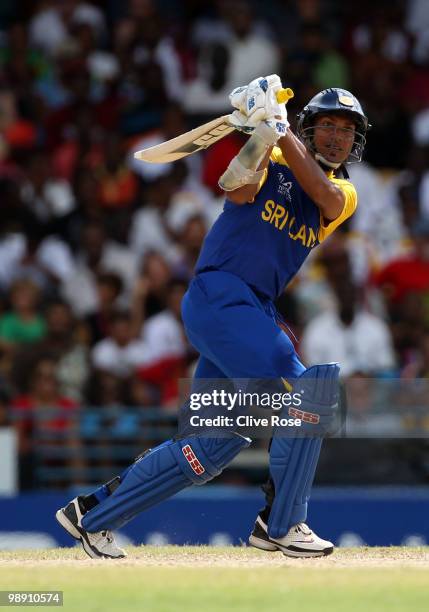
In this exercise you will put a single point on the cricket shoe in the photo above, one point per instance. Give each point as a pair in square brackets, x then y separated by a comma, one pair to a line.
[300, 541]
[97, 545]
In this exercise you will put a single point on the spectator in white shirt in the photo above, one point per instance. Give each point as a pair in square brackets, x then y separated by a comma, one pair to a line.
[119, 353]
[149, 229]
[358, 340]
[49, 198]
[163, 333]
[97, 255]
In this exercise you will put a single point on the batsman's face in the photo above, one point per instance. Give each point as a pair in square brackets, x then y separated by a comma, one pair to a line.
[334, 137]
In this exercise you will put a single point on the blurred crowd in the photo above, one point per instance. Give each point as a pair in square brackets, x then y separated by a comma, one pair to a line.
[97, 249]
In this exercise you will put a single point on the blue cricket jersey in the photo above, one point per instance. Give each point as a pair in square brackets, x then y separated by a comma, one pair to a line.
[266, 242]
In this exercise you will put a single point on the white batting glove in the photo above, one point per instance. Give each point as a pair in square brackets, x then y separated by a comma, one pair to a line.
[241, 122]
[244, 124]
[272, 113]
[258, 100]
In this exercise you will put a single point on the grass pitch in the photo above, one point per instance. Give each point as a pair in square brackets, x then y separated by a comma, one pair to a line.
[213, 579]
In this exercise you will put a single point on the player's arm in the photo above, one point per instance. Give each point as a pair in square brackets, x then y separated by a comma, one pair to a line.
[324, 193]
[247, 170]
[247, 193]
[260, 110]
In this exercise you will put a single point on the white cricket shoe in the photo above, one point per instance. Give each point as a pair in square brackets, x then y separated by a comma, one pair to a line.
[300, 541]
[97, 545]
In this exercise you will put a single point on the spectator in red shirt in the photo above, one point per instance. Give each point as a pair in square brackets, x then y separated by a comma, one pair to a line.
[408, 274]
[44, 419]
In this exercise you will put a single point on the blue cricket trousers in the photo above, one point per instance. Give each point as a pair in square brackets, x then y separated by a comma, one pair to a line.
[234, 331]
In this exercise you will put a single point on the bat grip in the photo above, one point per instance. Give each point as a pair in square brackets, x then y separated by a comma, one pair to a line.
[283, 95]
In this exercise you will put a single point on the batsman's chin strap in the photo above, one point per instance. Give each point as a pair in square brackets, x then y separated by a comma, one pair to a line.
[331, 165]
[328, 166]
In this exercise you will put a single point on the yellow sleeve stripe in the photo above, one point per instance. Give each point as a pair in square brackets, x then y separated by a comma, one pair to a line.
[350, 204]
[277, 157]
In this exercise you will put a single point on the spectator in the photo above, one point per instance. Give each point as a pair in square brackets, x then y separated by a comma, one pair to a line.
[190, 199]
[48, 197]
[167, 348]
[206, 94]
[191, 240]
[88, 209]
[97, 254]
[119, 353]
[151, 289]
[109, 289]
[237, 55]
[49, 28]
[409, 319]
[251, 54]
[34, 254]
[358, 340]
[42, 409]
[104, 390]
[163, 333]
[410, 273]
[154, 43]
[80, 149]
[142, 394]
[23, 323]
[314, 55]
[149, 229]
[117, 185]
[64, 343]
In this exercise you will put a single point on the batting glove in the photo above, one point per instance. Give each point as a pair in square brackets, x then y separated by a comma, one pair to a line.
[242, 123]
[258, 100]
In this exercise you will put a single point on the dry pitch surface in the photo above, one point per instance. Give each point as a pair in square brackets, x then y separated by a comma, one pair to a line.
[205, 579]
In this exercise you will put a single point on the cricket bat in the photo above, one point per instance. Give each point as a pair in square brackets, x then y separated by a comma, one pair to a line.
[199, 138]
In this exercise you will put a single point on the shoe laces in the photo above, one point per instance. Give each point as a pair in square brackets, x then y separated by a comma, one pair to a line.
[303, 528]
[108, 535]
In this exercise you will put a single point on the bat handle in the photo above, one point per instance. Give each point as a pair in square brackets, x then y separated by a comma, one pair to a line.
[283, 95]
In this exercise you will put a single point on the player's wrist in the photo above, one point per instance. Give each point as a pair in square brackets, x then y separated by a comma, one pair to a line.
[267, 133]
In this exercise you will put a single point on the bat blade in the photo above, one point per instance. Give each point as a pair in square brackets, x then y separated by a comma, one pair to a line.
[199, 138]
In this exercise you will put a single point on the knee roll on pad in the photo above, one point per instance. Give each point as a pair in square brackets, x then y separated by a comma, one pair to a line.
[162, 472]
[318, 387]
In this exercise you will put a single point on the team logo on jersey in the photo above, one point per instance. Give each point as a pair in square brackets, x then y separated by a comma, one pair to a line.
[284, 187]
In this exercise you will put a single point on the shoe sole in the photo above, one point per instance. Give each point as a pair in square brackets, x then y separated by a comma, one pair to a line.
[303, 554]
[66, 524]
[262, 544]
[77, 535]
[270, 546]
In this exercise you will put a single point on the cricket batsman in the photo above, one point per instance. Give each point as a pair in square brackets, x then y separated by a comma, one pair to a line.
[285, 194]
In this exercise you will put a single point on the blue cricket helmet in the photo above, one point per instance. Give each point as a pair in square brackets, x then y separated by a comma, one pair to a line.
[339, 102]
